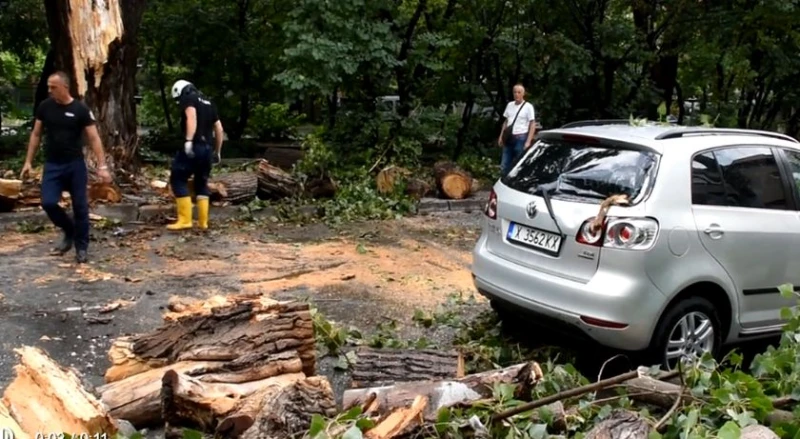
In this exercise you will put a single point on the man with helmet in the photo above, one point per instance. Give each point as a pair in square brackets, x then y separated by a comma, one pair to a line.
[199, 119]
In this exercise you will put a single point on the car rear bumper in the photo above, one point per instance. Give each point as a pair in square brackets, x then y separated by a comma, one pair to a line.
[607, 297]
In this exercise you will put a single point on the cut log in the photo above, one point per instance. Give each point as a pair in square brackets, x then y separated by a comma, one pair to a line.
[321, 187]
[382, 367]
[9, 428]
[620, 424]
[47, 397]
[288, 411]
[219, 329]
[103, 192]
[418, 188]
[137, 398]
[190, 402]
[652, 391]
[18, 193]
[445, 393]
[234, 187]
[10, 189]
[452, 182]
[274, 182]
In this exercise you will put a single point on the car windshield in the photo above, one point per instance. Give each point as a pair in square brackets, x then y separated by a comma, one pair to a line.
[569, 169]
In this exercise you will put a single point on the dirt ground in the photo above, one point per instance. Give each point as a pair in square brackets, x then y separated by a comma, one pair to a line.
[359, 275]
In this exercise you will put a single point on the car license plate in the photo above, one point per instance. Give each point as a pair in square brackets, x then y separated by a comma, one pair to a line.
[539, 239]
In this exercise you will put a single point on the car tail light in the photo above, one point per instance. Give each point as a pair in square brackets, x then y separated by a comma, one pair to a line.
[622, 233]
[491, 205]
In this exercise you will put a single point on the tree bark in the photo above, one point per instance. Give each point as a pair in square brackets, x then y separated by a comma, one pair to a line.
[97, 47]
[621, 423]
[138, 398]
[382, 367]
[234, 187]
[47, 397]
[445, 393]
[288, 411]
[273, 182]
[218, 329]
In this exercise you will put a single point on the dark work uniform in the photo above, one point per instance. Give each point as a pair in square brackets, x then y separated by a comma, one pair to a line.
[183, 166]
[64, 167]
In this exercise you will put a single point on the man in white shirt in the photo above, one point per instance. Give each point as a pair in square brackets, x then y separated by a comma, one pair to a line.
[521, 120]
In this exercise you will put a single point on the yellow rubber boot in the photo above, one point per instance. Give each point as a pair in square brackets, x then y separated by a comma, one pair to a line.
[184, 207]
[202, 212]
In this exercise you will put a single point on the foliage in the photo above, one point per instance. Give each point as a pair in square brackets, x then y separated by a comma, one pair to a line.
[723, 398]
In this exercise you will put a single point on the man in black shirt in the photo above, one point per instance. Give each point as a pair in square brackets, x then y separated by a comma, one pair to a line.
[199, 122]
[64, 121]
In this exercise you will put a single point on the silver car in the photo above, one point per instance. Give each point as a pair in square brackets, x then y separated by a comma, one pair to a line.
[702, 227]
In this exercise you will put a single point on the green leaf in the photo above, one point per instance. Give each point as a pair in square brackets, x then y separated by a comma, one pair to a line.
[365, 424]
[537, 431]
[317, 425]
[353, 433]
[192, 434]
[787, 290]
[729, 431]
[351, 414]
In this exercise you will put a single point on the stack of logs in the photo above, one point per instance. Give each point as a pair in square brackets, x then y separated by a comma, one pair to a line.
[244, 367]
[269, 182]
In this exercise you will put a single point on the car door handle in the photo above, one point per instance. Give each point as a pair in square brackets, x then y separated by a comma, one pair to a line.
[714, 231]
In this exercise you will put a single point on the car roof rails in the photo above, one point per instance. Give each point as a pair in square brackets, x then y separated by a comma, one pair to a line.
[678, 133]
[596, 122]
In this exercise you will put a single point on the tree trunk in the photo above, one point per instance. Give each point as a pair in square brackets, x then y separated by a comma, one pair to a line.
[452, 182]
[621, 424]
[234, 187]
[97, 47]
[445, 393]
[275, 183]
[288, 411]
[47, 397]
[218, 329]
[392, 175]
[191, 402]
[138, 398]
[382, 367]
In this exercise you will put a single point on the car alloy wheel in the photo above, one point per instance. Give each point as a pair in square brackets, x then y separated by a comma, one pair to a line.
[690, 338]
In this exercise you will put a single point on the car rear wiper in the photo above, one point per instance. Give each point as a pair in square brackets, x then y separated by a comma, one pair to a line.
[546, 196]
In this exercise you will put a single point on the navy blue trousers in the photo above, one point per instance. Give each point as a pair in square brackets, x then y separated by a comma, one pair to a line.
[71, 177]
[512, 152]
[184, 167]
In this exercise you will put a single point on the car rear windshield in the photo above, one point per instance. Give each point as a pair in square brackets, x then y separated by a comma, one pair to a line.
[577, 170]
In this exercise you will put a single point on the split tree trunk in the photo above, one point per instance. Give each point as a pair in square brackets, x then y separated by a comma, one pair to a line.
[274, 182]
[138, 398]
[47, 397]
[218, 329]
[97, 46]
[452, 182]
[382, 367]
[389, 177]
[234, 187]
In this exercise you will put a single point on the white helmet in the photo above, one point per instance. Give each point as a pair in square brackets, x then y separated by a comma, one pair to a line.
[178, 86]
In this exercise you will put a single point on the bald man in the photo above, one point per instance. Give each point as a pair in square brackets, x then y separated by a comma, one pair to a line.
[65, 121]
[521, 121]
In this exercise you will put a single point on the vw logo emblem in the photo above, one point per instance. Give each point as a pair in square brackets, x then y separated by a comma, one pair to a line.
[531, 210]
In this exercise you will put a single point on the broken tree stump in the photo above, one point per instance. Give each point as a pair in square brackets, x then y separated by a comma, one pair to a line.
[443, 393]
[381, 367]
[47, 397]
[219, 329]
[288, 411]
[138, 398]
[234, 187]
[620, 424]
[274, 182]
[452, 182]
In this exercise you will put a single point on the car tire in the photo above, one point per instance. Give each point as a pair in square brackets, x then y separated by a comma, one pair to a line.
[696, 310]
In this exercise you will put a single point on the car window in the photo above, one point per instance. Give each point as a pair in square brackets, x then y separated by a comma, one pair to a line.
[751, 178]
[707, 186]
[794, 162]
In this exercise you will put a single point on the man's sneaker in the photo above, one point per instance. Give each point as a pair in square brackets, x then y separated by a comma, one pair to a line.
[64, 246]
[81, 256]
